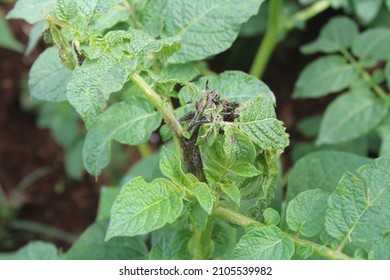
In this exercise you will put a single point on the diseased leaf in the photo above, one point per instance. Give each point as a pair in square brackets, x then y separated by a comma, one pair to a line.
[234, 86]
[206, 27]
[339, 33]
[48, 78]
[367, 9]
[258, 121]
[350, 116]
[305, 213]
[129, 123]
[372, 44]
[93, 82]
[271, 217]
[35, 250]
[321, 170]
[264, 243]
[237, 146]
[31, 11]
[358, 208]
[325, 75]
[142, 207]
[91, 246]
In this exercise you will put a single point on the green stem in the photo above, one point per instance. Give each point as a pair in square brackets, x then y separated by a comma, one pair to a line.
[242, 220]
[270, 39]
[144, 150]
[308, 13]
[200, 242]
[159, 104]
[366, 76]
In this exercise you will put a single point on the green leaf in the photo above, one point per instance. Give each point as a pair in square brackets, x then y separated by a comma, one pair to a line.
[218, 169]
[206, 28]
[107, 197]
[271, 217]
[325, 75]
[350, 116]
[65, 50]
[384, 134]
[305, 213]
[367, 10]
[48, 77]
[203, 194]
[171, 244]
[338, 34]
[198, 215]
[66, 10]
[35, 36]
[237, 146]
[151, 16]
[264, 243]
[232, 192]
[147, 167]
[129, 123]
[74, 160]
[358, 209]
[321, 170]
[310, 126]
[258, 121]
[7, 40]
[31, 11]
[224, 237]
[91, 8]
[304, 251]
[141, 207]
[92, 84]
[35, 250]
[230, 85]
[91, 246]
[372, 43]
[170, 166]
[180, 72]
[380, 250]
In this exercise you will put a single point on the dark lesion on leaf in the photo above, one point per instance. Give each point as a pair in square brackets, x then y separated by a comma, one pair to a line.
[208, 109]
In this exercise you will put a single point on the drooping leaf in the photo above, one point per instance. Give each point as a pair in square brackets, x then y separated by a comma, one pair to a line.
[264, 243]
[325, 75]
[305, 213]
[271, 217]
[92, 84]
[142, 207]
[129, 123]
[358, 208]
[31, 10]
[230, 85]
[350, 116]
[372, 43]
[35, 250]
[48, 78]
[367, 9]
[339, 33]
[200, 24]
[91, 246]
[107, 197]
[7, 40]
[321, 170]
[258, 121]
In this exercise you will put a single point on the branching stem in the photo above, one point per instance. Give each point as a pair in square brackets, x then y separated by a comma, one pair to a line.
[242, 220]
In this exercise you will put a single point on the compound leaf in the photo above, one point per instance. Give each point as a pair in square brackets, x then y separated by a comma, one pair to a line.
[306, 212]
[358, 208]
[206, 27]
[91, 246]
[350, 116]
[321, 170]
[48, 77]
[323, 76]
[339, 33]
[129, 123]
[142, 207]
[264, 243]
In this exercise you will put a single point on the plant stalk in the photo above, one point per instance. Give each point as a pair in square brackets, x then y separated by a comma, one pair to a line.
[270, 39]
[144, 150]
[243, 221]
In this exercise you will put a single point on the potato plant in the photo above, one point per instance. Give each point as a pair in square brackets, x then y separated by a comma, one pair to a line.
[130, 68]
